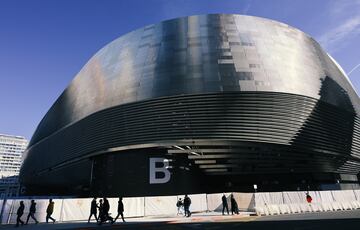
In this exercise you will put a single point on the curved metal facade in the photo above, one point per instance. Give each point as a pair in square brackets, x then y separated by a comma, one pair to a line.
[237, 95]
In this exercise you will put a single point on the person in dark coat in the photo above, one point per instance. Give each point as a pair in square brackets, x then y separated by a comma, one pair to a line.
[101, 212]
[93, 210]
[225, 204]
[32, 212]
[120, 210]
[187, 203]
[104, 212]
[19, 213]
[49, 211]
[234, 205]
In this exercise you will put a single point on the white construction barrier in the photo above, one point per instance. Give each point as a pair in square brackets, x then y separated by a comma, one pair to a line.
[214, 202]
[41, 205]
[295, 202]
[133, 206]
[326, 199]
[267, 203]
[75, 209]
[160, 205]
[245, 201]
[284, 209]
[344, 198]
[266, 198]
[198, 203]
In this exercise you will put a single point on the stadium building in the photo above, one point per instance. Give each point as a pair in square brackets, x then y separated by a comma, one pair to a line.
[200, 104]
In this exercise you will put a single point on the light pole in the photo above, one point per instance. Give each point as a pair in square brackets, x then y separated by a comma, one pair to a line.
[255, 188]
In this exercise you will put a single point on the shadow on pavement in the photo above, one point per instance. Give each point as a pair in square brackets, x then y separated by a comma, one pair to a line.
[339, 224]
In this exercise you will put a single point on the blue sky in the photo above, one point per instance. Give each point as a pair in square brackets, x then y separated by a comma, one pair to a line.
[44, 43]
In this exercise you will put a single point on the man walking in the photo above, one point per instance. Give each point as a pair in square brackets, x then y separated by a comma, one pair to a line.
[101, 212]
[120, 210]
[234, 205]
[93, 210]
[106, 210]
[187, 203]
[19, 213]
[225, 204]
[32, 212]
[49, 211]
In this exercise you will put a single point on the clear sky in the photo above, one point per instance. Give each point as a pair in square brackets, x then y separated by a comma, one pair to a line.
[44, 43]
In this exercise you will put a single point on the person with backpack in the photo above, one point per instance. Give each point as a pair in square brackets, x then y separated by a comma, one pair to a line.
[180, 206]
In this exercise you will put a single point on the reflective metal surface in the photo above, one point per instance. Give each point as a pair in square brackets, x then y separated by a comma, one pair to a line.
[200, 54]
[208, 77]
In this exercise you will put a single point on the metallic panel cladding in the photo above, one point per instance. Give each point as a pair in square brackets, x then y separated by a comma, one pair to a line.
[223, 77]
[197, 54]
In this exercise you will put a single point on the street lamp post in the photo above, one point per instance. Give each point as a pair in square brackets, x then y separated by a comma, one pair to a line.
[255, 188]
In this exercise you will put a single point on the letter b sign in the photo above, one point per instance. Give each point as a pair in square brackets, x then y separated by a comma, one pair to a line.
[163, 169]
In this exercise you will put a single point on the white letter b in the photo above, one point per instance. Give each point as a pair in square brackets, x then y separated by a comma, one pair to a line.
[163, 169]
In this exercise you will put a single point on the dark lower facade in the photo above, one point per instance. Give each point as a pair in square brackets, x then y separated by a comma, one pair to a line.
[210, 143]
[200, 104]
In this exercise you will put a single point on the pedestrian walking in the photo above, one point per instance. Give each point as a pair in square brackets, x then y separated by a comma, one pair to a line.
[19, 213]
[234, 205]
[32, 212]
[225, 204]
[106, 210]
[187, 203]
[308, 198]
[101, 212]
[120, 210]
[93, 210]
[49, 211]
[180, 206]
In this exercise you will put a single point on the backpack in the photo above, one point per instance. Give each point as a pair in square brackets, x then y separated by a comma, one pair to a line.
[178, 204]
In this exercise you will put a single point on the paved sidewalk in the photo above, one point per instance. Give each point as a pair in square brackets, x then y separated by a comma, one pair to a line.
[215, 221]
[140, 222]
